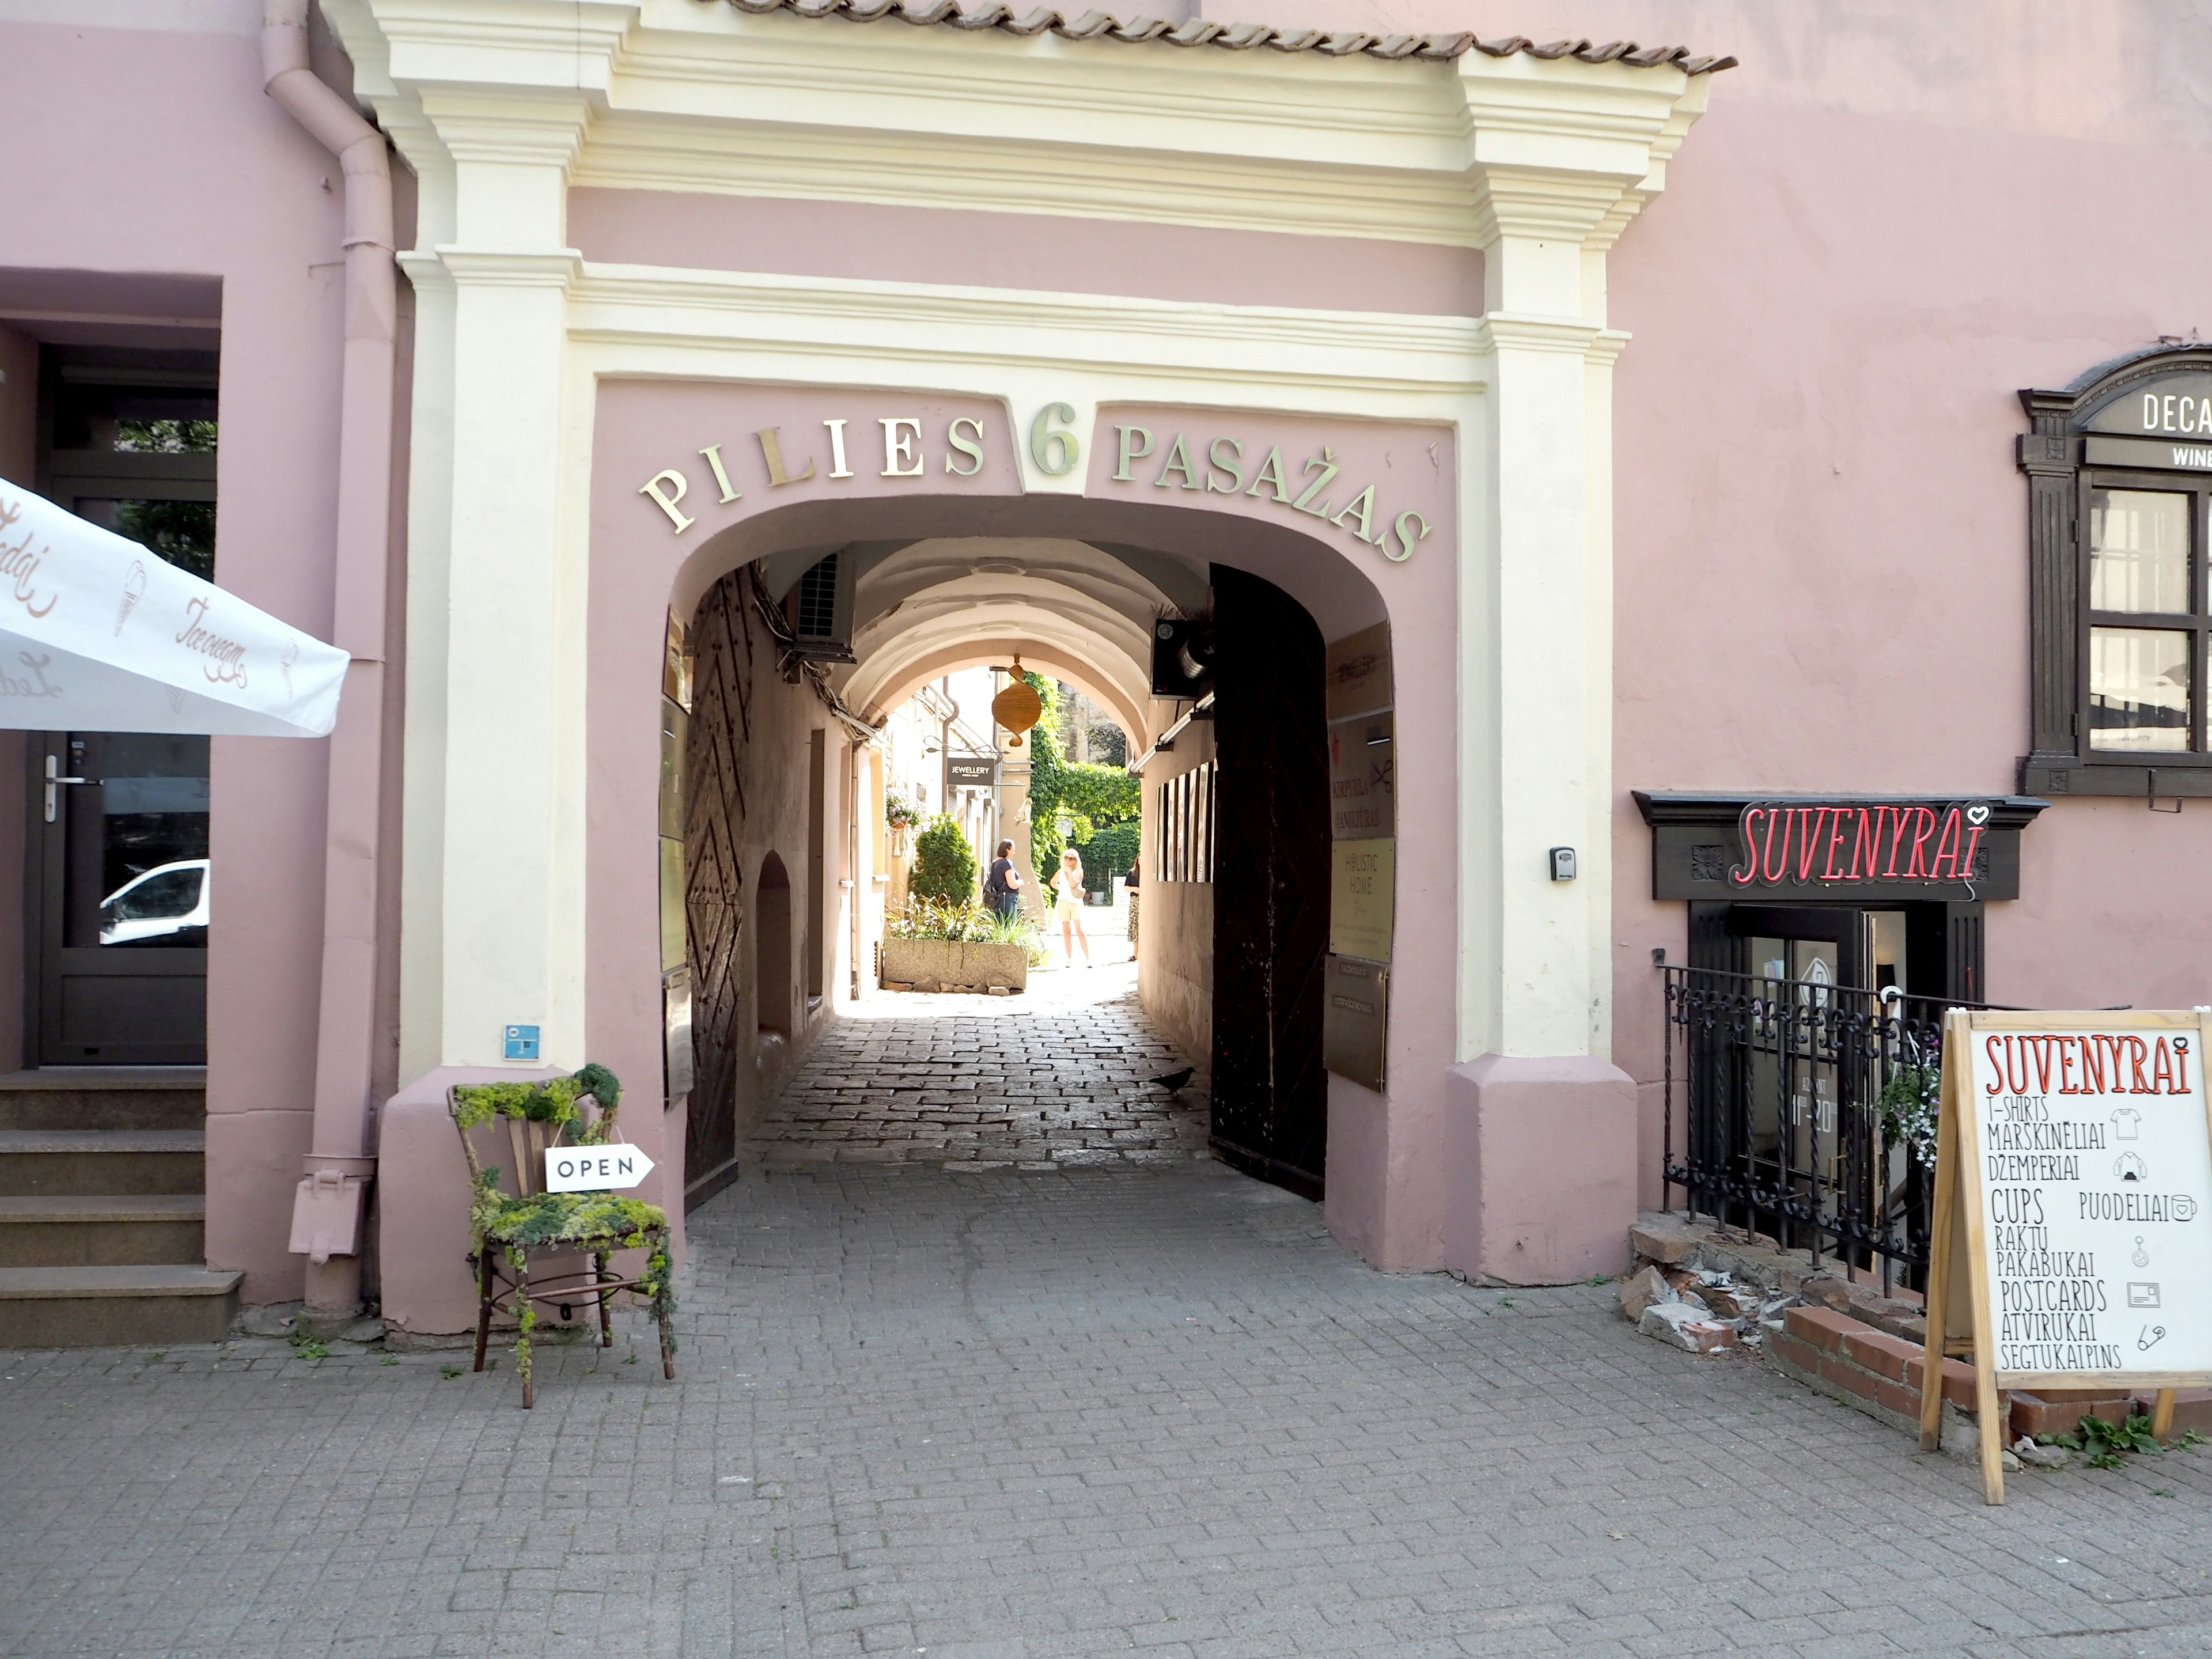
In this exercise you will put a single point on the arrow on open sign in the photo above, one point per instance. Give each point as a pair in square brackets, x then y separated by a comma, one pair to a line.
[594, 1169]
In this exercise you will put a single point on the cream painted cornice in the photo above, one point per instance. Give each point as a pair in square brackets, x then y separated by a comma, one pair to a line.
[468, 268]
[1381, 351]
[677, 95]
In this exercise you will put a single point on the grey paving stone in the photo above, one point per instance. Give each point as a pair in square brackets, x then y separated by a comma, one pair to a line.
[1139, 1406]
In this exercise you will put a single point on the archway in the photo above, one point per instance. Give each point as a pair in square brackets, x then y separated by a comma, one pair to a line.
[1253, 1028]
[1075, 580]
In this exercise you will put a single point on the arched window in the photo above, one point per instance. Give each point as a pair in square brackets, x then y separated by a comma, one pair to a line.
[2119, 468]
[772, 947]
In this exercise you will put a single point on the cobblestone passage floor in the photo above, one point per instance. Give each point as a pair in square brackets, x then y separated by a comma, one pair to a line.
[1012, 1414]
[1061, 1076]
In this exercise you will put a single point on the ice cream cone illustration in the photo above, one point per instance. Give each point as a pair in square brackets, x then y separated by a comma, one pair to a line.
[134, 585]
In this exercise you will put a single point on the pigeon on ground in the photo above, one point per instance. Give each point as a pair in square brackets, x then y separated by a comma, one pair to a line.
[1173, 1081]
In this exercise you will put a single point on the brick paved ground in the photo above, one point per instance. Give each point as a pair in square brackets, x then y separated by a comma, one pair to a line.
[1061, 1076]
[1008, 1415]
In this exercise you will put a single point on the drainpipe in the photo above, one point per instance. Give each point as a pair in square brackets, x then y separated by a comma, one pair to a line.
[326, 1214]
[944, 739]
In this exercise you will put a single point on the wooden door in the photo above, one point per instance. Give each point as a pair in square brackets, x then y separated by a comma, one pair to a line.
[1271, 884]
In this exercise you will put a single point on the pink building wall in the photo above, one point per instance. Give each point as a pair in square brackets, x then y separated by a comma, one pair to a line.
[147, 153]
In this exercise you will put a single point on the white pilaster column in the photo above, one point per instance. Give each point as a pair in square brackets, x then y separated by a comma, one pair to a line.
[505, 785]
[1558, 165]
[1557, 168]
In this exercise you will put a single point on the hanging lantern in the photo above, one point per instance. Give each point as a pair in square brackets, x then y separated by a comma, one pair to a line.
[1018, 707]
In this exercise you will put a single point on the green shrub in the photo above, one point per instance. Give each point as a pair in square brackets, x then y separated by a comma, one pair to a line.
[1108, 854]
[944, 864]
[1092, 797]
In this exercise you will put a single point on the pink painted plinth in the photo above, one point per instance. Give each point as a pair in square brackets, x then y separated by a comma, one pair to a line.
[1540, 1169]
[422, 1198]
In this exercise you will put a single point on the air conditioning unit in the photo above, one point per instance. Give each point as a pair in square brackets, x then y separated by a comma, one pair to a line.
[822, 610]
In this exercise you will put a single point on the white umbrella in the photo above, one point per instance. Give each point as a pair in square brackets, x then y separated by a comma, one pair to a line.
[99, 635]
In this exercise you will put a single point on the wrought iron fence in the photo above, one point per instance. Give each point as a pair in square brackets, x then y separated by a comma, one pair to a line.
[1806, 1112]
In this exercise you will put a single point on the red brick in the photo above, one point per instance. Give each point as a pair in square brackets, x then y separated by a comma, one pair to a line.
[2192, 1409]
[1905, 1401]
[1849, 1378]
[1880, 1352]
[1787, 1349]
[1821, 1327]
[2060, 1410]
[1957, 1381]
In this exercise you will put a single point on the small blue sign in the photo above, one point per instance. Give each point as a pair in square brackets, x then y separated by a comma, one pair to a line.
[522, 1042]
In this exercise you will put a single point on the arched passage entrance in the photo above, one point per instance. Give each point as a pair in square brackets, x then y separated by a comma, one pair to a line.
[1253, 1029]
[964, 567]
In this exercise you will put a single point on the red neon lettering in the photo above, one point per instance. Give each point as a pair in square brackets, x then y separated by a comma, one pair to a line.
[1923, 819]
[1896, 816]
[1995, 1046]
[2161, 1068]
[1836, 817]
[1747, 872]
[2137, 1052]
[1770, 872]
[1946, 848]
[1866, 844]
[1808, 840]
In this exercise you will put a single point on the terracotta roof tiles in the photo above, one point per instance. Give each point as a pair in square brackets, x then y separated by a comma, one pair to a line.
[1235, 37]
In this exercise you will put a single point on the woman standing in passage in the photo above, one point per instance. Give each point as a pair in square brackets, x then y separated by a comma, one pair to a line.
[1067, 883]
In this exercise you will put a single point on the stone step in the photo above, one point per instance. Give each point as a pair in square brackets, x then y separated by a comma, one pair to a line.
[103, 1230]
[92, 1162]
[106, 1307]
[104, 1097]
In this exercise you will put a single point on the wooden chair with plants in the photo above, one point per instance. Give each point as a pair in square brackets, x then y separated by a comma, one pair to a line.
[580, 1108]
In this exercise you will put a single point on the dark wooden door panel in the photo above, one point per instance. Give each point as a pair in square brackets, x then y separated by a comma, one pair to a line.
[1271, 882]
[715, 901]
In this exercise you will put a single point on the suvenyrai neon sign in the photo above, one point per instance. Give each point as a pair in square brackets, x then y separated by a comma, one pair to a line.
[1843, 844]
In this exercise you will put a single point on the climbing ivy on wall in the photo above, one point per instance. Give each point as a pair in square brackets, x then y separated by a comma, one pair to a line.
[1091, 797]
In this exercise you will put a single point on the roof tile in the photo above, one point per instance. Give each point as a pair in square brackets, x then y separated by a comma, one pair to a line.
[1237, 37]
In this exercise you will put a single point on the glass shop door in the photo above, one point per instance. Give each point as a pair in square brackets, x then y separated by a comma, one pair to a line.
[123, 884]
[122, 819]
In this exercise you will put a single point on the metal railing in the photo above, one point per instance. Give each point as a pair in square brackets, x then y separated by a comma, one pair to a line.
[1807, 1112]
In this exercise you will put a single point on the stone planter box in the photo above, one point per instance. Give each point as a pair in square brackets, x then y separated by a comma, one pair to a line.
[937, 964]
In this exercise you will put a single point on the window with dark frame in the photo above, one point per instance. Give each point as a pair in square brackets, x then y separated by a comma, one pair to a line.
[2119, 469]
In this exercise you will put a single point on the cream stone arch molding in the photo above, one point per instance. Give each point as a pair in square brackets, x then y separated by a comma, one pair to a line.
[499, 104]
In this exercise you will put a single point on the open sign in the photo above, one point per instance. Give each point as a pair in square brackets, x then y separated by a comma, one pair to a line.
[594, 1169]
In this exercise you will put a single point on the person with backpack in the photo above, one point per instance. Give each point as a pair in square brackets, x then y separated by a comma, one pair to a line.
[1002, 885]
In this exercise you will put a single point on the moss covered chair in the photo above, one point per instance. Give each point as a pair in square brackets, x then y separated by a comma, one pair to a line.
[581, 1110]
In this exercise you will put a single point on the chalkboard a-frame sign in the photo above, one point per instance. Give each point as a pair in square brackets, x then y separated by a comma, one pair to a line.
[2072, 1235]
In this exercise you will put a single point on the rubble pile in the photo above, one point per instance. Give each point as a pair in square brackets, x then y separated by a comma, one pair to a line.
[1700, 1309]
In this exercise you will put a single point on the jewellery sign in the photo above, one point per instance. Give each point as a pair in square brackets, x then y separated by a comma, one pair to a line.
[2074, 1165]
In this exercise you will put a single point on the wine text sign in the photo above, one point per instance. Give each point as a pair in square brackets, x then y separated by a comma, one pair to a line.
[2074, 1187]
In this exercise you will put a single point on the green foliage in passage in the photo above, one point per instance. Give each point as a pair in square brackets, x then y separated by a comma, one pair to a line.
[967, 923]
[972, 923]
[1109, 852]
[1091, 797]
[944, 864]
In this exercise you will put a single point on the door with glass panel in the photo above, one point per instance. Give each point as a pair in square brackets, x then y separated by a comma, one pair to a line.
[124, 884]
